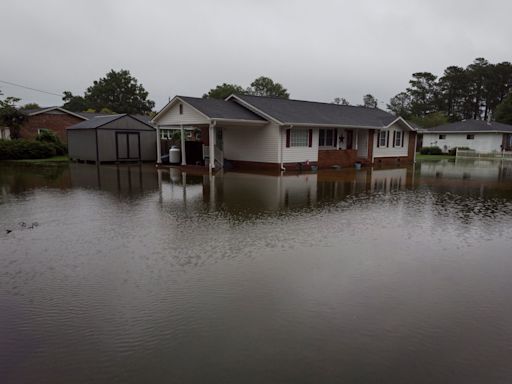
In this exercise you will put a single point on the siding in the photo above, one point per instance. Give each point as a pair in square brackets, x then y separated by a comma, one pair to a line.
[391, 151]
[300, 154]
[259, 144]
[189, 117]
[82, 144]
[483, 142]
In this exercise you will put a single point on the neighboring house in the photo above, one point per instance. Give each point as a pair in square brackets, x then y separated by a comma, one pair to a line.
[55, 119]
[113, 138]
[274, 133]
[5, 133]
[478, 135]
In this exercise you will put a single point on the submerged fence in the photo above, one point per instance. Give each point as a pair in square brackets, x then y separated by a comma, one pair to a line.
[471, 154]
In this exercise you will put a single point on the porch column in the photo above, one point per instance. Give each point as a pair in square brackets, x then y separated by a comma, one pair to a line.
[158, 146]
[183, 153]
[356, 141]
[211, 148]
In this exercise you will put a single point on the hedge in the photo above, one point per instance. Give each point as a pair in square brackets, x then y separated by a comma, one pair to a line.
[431, 151]
[26, 149]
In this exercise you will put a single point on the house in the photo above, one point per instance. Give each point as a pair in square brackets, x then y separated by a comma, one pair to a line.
[112, 138]
[281, 134]
[5, 133]
[478, 135]
[55, 119]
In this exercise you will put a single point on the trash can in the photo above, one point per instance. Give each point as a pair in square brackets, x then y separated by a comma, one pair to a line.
[174, 155]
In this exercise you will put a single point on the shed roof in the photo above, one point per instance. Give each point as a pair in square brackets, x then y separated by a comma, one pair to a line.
[97, 122]
[289, 111]
[466, 126]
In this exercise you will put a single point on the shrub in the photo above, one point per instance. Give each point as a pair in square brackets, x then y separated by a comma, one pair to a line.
[52, 139]
[25, 149]
[453, 151]
[431, 151]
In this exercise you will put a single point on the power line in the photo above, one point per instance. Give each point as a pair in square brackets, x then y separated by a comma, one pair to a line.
[32, 89]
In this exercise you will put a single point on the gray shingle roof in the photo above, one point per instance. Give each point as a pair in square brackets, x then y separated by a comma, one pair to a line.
[308, 112]
[471, 126]
[96, 122]
[220, 109]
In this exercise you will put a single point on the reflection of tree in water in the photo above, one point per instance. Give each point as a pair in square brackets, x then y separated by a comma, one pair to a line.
[21, 177]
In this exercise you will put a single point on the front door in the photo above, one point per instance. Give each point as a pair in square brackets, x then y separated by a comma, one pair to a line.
[128, 145]
[350, 138]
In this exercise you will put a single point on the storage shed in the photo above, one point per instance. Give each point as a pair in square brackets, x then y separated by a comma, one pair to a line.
[114, 138]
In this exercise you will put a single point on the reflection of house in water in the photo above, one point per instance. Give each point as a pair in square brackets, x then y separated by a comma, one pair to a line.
[264, 192]
[122, 180]
[468, 169]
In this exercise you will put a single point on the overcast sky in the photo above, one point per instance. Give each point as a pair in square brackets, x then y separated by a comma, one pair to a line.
[318, 49]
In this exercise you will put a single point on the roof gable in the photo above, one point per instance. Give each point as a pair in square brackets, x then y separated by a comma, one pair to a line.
[38, 111]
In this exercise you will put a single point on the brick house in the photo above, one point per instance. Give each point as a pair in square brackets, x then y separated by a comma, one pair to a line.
[55, 119]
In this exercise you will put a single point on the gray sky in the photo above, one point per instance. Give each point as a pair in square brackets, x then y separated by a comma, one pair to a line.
[318, 49]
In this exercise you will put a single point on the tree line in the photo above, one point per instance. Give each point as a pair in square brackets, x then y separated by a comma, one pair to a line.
[479, 91]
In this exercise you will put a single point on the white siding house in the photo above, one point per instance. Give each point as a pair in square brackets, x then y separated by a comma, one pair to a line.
[281, 134]
[480, 136]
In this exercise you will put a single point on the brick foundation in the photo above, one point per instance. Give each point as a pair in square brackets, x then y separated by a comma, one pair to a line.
[330, 157]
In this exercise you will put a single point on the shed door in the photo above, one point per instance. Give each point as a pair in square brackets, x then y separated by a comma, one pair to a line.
[127, 146]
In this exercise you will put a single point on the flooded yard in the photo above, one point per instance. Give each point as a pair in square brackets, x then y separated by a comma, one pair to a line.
[126, 274]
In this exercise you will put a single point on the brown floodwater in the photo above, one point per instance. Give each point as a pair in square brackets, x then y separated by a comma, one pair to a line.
[126, 274]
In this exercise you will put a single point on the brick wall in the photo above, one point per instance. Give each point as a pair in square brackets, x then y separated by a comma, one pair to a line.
[56, 123]
[343, 158]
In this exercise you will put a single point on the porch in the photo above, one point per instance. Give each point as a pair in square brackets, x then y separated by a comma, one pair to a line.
[344, 147]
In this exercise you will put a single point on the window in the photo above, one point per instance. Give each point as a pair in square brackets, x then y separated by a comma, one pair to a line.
[383, 138]
[181, 109]
[470, 137]
[398, 138]
[442, 137]
[299, 138]
[327, 138]
[41, 130]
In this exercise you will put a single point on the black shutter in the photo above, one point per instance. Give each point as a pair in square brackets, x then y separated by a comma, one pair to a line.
[310, 136]
[378, 139]
[387, 140]
[394, 137]
[403, 138]
[287, 138]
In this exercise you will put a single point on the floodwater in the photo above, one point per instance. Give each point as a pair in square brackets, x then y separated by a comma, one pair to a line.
[129, 275]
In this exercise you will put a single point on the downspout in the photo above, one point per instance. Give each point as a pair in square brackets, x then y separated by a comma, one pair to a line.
[415, 144]
[283, 168]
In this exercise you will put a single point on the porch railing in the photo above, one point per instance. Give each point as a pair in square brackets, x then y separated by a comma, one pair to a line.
[218, 155]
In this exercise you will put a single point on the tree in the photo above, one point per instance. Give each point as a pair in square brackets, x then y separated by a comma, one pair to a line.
[369, 101]
[264, 86]
[74, 103]
[224, 90]
[430, 120]
[30, 106]
[423, 92]
[120, 92]
[341, 101]
[400, 105]
[453, 90]
[504, 111]
[10, 116]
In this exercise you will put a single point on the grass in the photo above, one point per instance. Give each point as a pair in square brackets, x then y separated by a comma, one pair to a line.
[419, 156]
[49, 161]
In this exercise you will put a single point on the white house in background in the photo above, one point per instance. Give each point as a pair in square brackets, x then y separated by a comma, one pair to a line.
[5, 133]
[280, 134]
[478, 135]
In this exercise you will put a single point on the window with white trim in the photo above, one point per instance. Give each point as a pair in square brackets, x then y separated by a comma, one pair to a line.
[41, 130]
[327, 137]
[398, 138]
[470, 137]
[299, 137]
[383, 138]
[442, 137]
